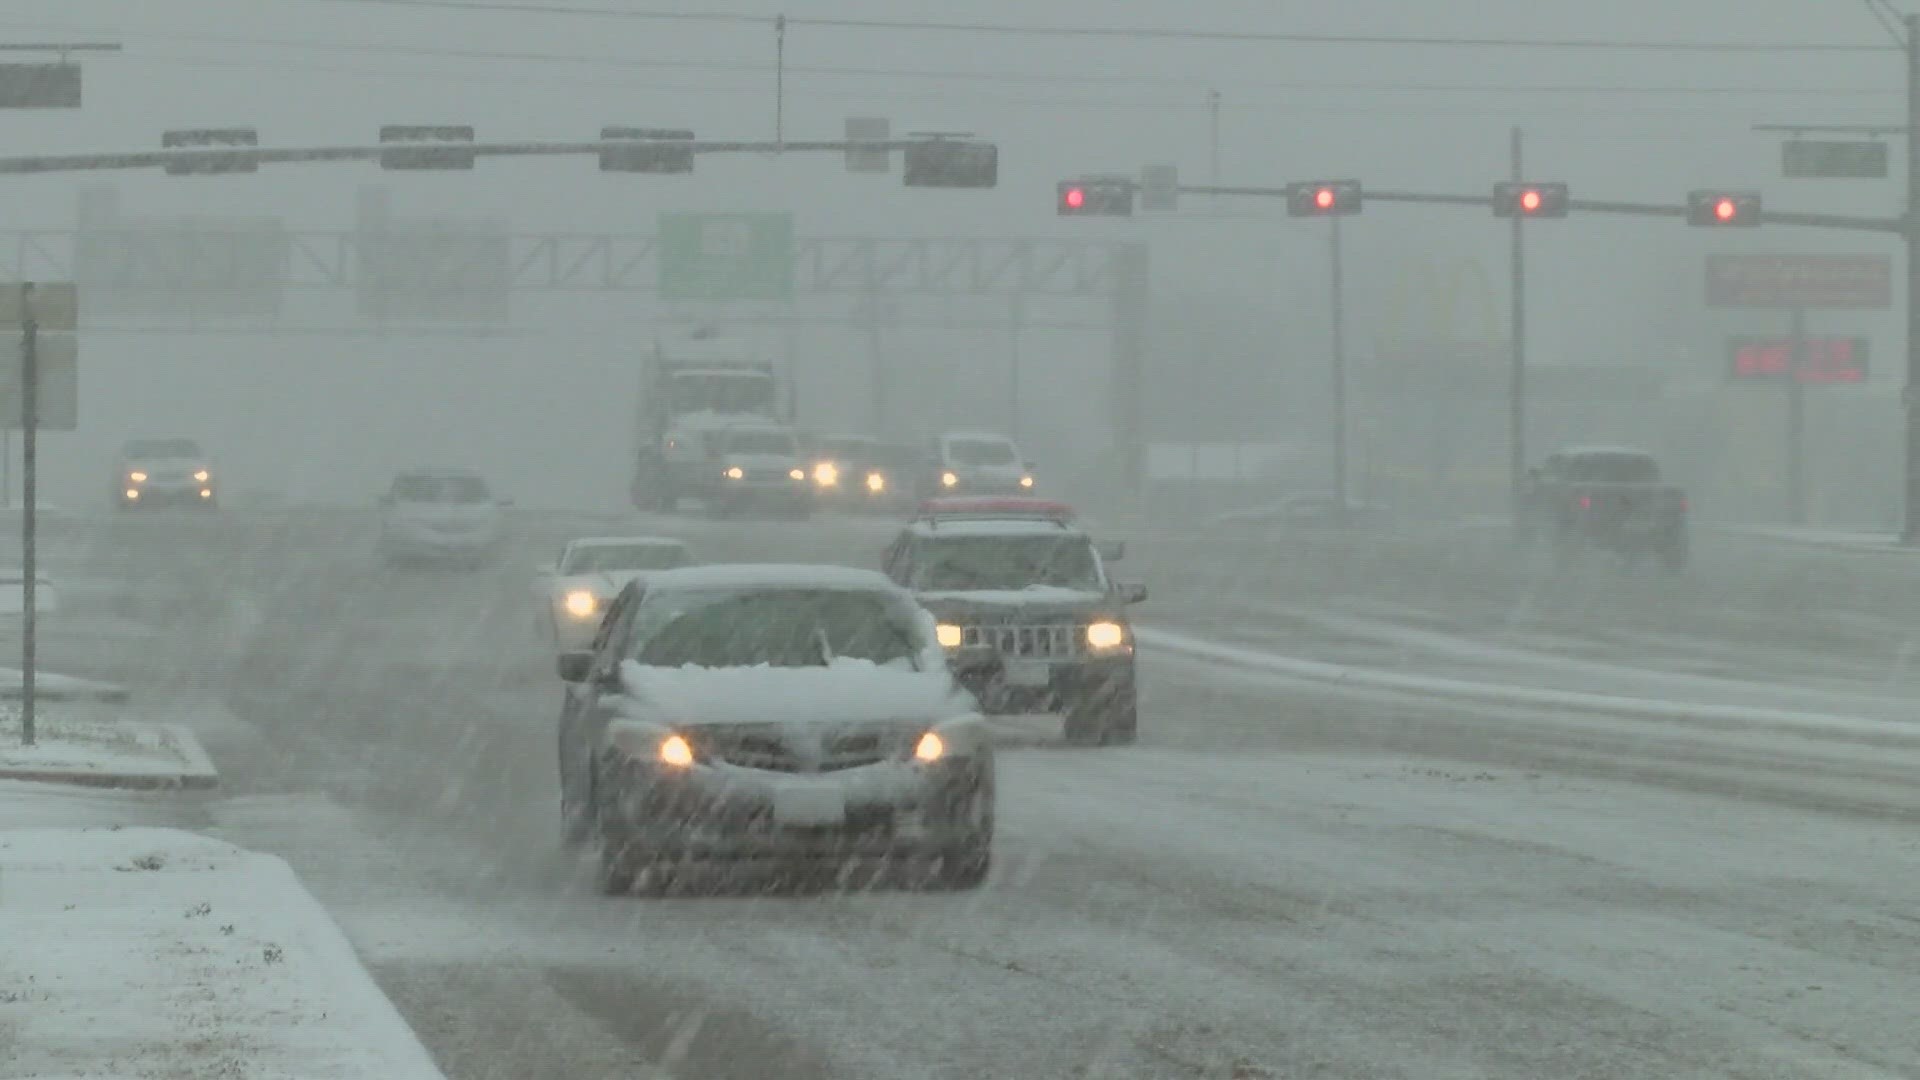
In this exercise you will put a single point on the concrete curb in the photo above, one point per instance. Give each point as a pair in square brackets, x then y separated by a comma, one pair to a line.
[197, 771]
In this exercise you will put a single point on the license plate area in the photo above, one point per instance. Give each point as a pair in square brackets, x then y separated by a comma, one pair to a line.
[1028, 673]
[809, 806]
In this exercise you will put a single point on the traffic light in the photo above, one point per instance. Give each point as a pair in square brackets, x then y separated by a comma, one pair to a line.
[1724, 209]
[1106, 196]
[450, 155]
[657, 154]
[950, 162]
[1323, 198]
[209, 138]
[1530, 200]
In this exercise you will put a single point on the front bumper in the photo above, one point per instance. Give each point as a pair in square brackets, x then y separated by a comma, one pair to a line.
[1028, 685]
[162, 492]
[888, 809]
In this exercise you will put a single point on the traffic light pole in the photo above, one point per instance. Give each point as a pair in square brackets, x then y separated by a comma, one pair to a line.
[1338, 303]
[1910, 531]
[1517, 389]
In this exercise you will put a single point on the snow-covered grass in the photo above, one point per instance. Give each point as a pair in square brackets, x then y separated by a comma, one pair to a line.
[110, 753]
[158, 952]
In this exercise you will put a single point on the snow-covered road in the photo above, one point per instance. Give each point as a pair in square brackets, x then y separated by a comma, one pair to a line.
[1285, 879]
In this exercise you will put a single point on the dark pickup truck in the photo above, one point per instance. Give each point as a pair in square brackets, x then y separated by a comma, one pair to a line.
[1607, 499]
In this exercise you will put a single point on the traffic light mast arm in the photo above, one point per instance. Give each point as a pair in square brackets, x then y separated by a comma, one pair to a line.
[147, 159]
[1595, 206]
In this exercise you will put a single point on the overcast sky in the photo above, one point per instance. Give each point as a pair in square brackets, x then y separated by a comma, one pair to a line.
[1641, 124]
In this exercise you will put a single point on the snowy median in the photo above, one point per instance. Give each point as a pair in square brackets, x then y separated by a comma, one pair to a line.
[1507, 695]
[103, 752]
[157, 952]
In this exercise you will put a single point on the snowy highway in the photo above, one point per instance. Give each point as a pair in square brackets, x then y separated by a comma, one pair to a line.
[1285, 878]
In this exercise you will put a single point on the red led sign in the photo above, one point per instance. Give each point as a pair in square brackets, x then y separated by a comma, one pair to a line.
[1824, 361]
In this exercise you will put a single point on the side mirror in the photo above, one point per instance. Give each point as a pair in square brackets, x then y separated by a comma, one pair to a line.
[1113, 551]
[1130, 594]
[574, 666]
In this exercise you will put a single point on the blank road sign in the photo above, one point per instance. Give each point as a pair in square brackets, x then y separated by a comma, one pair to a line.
[58, 358]
[726, 256]
[39, 86]
[1799, 281]
[56, 306]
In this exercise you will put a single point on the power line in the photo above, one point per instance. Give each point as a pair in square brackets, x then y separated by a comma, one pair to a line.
[1129, 33]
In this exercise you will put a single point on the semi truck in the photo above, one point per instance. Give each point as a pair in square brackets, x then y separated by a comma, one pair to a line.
[695, 387]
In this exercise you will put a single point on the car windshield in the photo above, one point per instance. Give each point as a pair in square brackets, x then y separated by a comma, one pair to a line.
[721, 628]
[1613, 468]
[464, 490]
[1000, 563]
[148, 449]
[596, 558]
[981, 452]
[761, 442]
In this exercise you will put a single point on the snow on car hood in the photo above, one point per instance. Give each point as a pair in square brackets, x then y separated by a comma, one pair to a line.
[1038, 596]
[600, 583]
[847, 691]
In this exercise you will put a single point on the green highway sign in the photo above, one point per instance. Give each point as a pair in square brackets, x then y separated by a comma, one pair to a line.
[1828, 159]
[726, 256]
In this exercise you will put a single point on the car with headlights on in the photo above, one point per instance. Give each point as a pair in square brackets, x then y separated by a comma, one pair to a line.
[441, 515]
[772, 712]
[970, 463]
[160, 472]
[572, 594]
[1022, 578]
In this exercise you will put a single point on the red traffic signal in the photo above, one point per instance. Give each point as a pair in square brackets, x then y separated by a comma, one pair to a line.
[1530, 200]
[1723, 209]
[1109, 196]
[1323, 198]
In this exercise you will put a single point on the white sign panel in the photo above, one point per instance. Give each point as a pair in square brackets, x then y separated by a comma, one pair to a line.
[59, 398]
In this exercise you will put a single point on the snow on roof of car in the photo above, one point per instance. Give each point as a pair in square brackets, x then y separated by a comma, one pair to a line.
[770, 576]
[627, 541]
[995, 527]
[1586, 451]
[977, 436]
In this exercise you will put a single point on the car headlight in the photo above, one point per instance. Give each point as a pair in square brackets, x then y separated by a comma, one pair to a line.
[796, 474]
[948, 635]
[202, 475]
[949, 479]
[581, 604]
[735, 472]
[930, 748]
[1026, 481]
[1106, 635]
[826, 474]
[137, 477]
[676, 751]
[876, 483]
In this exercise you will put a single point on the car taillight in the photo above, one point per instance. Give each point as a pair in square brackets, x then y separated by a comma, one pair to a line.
[1684, 505]
[1586, 502]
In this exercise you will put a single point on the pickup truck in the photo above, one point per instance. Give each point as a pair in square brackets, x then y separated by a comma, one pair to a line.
[1610, 499]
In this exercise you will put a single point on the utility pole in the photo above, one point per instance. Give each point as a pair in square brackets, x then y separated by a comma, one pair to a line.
[1213, 142]
[1016, 321]
[29, 454]
[779, 78]
[1339, 370]
[1517, 389]
[1797, 362]
[1910, 533]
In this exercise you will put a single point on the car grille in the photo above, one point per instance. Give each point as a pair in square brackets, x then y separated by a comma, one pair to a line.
[1046, 639]
[797, 752]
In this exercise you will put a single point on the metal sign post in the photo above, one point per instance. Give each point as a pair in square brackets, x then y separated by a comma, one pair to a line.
[54, 307]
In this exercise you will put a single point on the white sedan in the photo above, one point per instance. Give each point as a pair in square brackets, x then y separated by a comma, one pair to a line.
[573, 593]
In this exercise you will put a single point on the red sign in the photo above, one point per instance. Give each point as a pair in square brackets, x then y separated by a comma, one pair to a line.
[1823, 361]
[1799, 281]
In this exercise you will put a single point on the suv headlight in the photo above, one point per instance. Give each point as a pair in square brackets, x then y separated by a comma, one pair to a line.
[1106, 635]
[948, 635]
[826, 474]
[735, 472]
[581, 604]
[202, 475]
